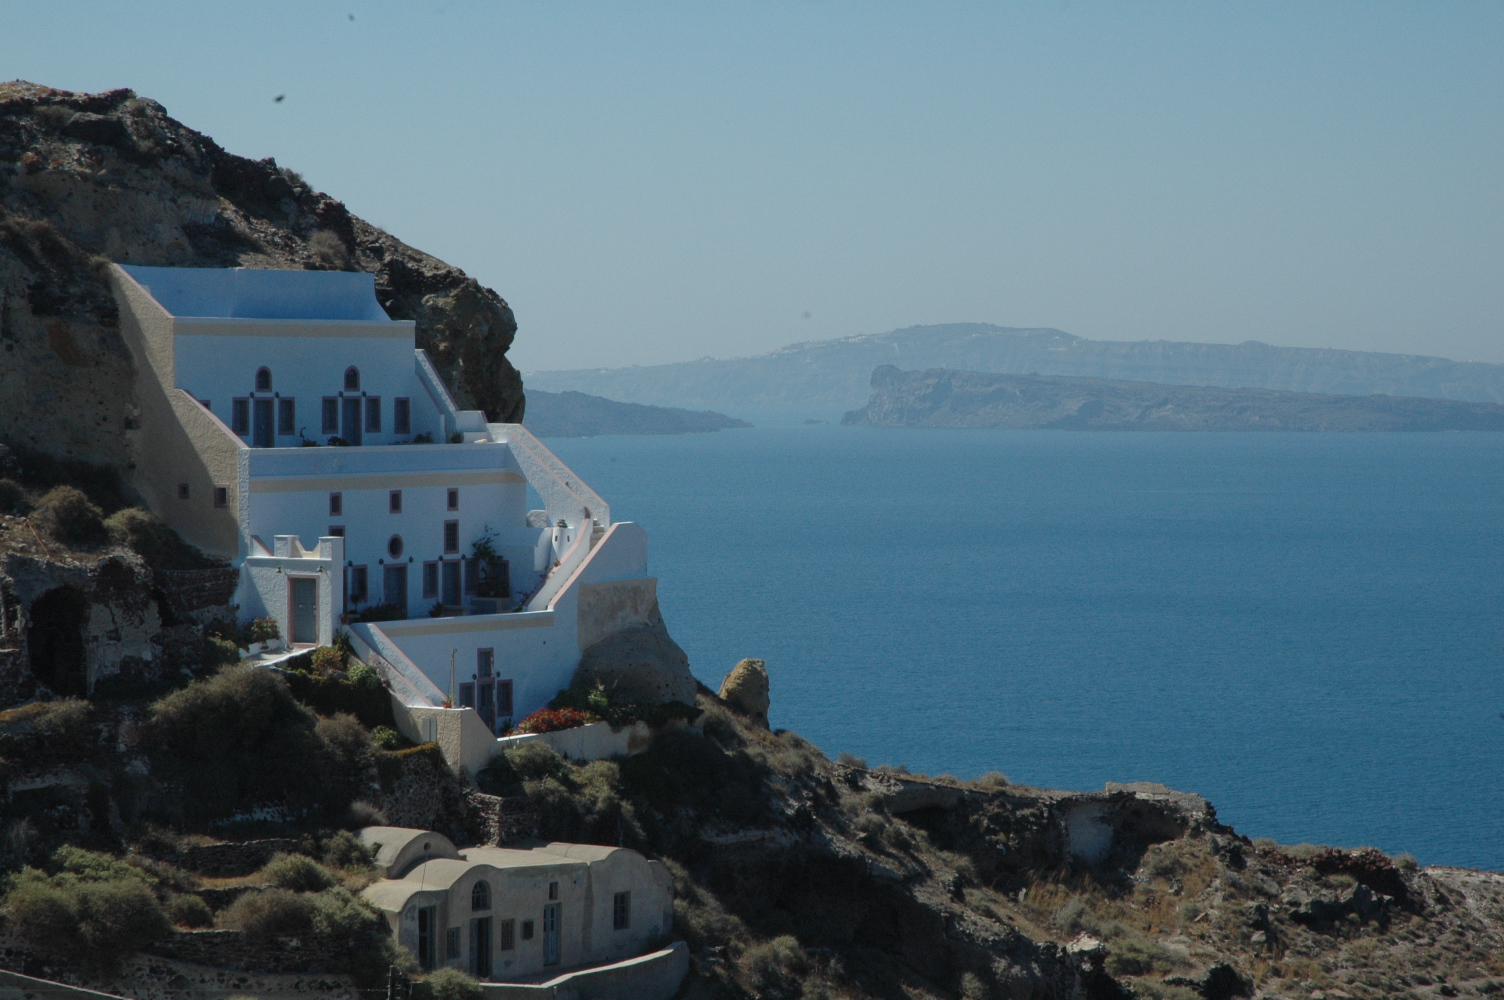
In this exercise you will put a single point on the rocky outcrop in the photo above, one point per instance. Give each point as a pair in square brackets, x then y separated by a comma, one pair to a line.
[746, 690]
[639, 663]
[941, 397]
[86, 179]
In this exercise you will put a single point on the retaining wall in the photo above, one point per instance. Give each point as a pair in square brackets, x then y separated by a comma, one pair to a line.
[654, 976]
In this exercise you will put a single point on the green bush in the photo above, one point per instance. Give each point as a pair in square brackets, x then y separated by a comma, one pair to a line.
[268, 914]
[146, 535]
[344, 850]
[239, 739]
[330, 694]
[387, 738]
[297, 872]
[189, 911]
[261, 630]
[68, 516]
[92, 912]
[447, 984]
[327, 659]
[598, 700]
[221, 652]
[364, 676]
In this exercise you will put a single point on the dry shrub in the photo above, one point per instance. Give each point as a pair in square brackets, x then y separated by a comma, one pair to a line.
[269, 914]
[189, 911]
[993, 779]
[297, 872]
[775, 968]
[146, 535]
[344, 850]
[68, 516]
[329, 250]
[447, 984]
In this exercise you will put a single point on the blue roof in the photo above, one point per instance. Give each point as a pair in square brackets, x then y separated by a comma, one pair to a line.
[246, 293]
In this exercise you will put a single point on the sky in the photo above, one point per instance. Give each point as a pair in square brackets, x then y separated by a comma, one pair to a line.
[649, 182]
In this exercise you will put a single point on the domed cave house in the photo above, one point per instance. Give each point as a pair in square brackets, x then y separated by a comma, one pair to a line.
[507, 914]
[290, 427]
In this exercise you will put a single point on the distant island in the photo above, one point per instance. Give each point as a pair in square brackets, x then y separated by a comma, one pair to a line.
[835, 372]
[575, 414]
[945, 398]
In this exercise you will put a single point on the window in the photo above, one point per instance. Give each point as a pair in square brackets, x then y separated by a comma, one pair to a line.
[553, 890]
[427, 925]
[337, 530]
[454, 499]
[451, 595]
[503, 699]
[287, 416]
[221, 496]
[467, 695]
[452, 943]
[451, 536]
[182, 491]
[480, 896]
[240, 416]
[394, 546]
[331, 415]
[352, 379]
[621, 911]
[373, 414]
[527, 930]
[336, 505]
[508, 935]
[394, 502]
[430, 579]
[402, 415]
[263, 380]
[359, 589]
[485, 662]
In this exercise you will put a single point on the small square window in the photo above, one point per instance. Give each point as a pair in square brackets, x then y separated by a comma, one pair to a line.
[454, 499]
[336, 505]
[182, 491]
[402, 415]
[451, 536]
[452, 943]
[527, 930]
[553, 890]
[240, 416]
[621, 911]
[508, 935]
[373, 414]
[394, 502]
[287, 416]
[337, 530]
[221, 496]
[331, 415]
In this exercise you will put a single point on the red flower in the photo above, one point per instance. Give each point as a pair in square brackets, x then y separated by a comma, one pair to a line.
[551, 720]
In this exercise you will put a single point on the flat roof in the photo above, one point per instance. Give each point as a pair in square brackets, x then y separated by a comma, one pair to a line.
[252, 293]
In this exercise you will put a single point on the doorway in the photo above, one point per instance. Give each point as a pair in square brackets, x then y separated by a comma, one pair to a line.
[394, 588]
[428, 937]
[305, 609]
[56, 641]
[551, 934]
[261, 425]
[480, 947]
[350, 420]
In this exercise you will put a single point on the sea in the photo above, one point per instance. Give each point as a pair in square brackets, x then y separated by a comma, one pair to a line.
[1307, 629]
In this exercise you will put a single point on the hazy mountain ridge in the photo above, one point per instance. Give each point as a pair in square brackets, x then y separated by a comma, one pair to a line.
[945, 398]
[576, 414]
[837, 372]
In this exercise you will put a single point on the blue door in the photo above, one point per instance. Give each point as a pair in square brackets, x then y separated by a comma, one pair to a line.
[262, 425]
[350, 420]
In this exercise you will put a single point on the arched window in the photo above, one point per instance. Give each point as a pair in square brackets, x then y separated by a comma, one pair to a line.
[394, 547]
[480, 896]
[263, 380]
[352, 379]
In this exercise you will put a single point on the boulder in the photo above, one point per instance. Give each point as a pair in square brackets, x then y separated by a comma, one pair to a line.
[746, 690]
[639, 663]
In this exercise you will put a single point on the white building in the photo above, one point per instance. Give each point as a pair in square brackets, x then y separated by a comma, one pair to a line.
[291, 427]
[502, 913]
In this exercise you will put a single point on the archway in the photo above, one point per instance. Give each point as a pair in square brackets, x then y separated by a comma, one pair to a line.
[56, 641]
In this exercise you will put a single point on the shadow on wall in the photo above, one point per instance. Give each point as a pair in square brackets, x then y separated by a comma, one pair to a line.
[56, 641]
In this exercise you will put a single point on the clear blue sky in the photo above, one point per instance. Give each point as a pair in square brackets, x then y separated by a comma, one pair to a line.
[658, 182]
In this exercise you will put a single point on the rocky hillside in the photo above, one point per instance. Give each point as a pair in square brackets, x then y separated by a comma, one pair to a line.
[575, 414]
[835, 372]
[86, 179]
[943, 398]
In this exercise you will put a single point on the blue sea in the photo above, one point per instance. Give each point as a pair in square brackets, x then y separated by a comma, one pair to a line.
[1308, 629]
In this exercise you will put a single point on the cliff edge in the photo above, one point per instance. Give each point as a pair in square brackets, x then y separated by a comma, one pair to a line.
[90, 178]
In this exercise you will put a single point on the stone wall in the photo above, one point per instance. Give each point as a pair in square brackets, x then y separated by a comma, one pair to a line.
[505, 820]
[418, 790]
[234, 950]
[230, 860]
[189, 591]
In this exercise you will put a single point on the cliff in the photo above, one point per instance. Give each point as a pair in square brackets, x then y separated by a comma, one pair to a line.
[575, 414]
[944, 398]
[90, 178]
[835, 372]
